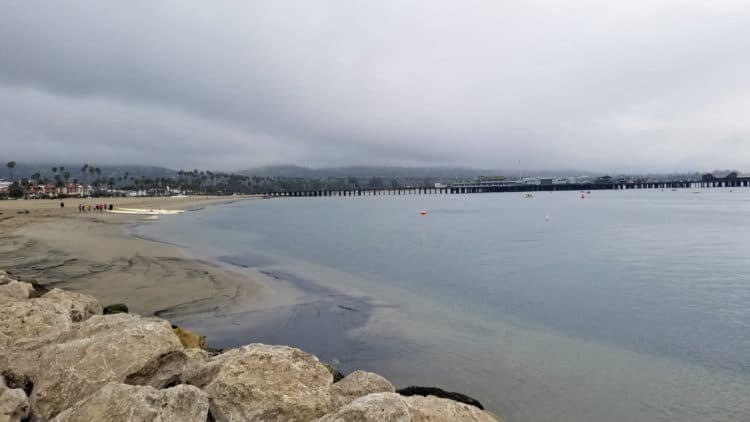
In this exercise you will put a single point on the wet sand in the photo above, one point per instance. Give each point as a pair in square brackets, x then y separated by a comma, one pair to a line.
[92, 252]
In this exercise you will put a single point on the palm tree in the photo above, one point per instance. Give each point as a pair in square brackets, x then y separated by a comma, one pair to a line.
[83, 170]
[36, 177]
[10, 165]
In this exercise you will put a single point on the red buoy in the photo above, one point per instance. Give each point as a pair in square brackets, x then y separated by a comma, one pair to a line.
[423, 212]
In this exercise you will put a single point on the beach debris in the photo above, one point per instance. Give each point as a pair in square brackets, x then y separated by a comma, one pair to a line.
[337, 375]
[121, 402]
[115, 308]
[189, 339]
[439, 392]
[347, 308]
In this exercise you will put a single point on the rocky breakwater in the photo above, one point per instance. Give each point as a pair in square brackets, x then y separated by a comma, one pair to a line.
[61, 359]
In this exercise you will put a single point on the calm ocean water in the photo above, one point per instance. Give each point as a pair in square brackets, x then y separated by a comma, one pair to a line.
[623, 306]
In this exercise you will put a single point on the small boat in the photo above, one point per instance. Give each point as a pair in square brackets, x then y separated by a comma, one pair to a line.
[527, 195]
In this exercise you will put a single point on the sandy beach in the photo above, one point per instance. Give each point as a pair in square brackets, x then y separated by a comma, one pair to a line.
[93, 253]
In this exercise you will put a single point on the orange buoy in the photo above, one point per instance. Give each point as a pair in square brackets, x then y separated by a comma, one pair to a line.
[423, 212]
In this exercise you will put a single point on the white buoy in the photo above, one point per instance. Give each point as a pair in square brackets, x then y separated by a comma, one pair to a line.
[546, 217]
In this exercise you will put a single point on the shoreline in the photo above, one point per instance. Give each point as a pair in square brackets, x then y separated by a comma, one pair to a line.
[96, 253]
[66, 358]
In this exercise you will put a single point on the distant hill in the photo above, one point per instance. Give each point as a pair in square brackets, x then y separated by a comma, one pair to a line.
[407, 175]
[25, 170]
[393, 172]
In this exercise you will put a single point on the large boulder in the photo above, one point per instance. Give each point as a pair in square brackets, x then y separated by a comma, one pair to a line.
[377, 407]
[25, 327]
[121, 348]
[15, 290]
[81, 306]
[28, 325]
[265, 383]
[14, 405]
[195, 364]
[396, 408]
[358, 384]
[434, 409]
[124, 403]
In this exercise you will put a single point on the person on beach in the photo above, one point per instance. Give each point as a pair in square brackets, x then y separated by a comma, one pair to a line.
[62, 204]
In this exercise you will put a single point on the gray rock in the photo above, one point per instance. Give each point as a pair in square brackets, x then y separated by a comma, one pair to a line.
[266, 383]
[28, 325]
[4, 277]
[377, 407]
[356, 385]
[124, 403]
[434, 409]
[14, 405]
[15, 290]
[121, 348]
[81, 306]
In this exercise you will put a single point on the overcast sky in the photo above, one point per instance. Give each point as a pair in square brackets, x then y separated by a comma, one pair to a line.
[601, 85]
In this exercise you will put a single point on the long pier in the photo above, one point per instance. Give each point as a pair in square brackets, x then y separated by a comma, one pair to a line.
[465, 188]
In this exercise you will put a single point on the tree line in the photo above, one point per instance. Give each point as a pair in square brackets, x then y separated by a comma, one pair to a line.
[197, 181]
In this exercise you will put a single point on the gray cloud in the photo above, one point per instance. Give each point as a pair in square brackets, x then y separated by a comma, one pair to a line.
[658, 85]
